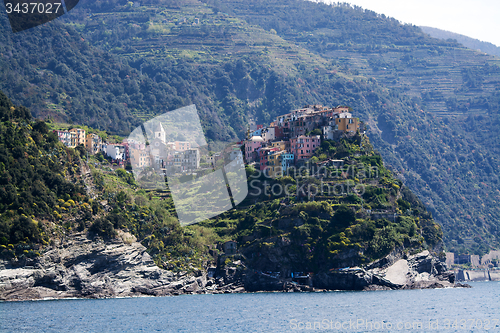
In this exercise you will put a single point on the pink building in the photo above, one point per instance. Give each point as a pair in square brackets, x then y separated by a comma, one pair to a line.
[251, 147]
[66, 138]
[302, 147]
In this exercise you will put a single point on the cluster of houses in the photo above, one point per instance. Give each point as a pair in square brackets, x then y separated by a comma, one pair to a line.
[288, 140]
[178, 155]
[93, 143]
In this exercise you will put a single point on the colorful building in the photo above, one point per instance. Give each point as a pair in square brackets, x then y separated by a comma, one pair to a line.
[287, 160]
[274, 168]
[139, 156]
[93, 143]
[66, 138]
[182, 145]
[303, 146]
[79, 136]
[347, 124]
[251, 147]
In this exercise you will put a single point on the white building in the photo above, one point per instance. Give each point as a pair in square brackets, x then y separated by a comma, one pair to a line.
[268, 134]
[116, 151]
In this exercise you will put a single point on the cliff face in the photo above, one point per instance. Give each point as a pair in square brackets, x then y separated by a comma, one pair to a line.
[395, 271]
[81, 267]
[418, 271]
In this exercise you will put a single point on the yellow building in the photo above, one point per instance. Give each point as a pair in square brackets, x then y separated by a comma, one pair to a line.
[139, 157]
[79, 136]
[93, 143]
[282, 145]
[347, 124]
[274, 164]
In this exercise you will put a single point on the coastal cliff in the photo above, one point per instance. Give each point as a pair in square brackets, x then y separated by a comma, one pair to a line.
[418, 271]
[80, 267]
[395, 271]
[85, 228]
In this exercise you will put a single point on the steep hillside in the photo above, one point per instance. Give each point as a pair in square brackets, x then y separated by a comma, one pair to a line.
[41, 195]
[55, 72]
[437, 91]
[49, 194]
[445, 144]
[471, 43]
[324, 223]
[432, 106]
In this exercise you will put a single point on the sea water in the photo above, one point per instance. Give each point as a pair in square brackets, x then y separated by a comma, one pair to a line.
[432, 310]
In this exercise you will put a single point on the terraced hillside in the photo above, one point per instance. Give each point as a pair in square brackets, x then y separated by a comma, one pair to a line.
[444, 143]
[432, 106]
[471, 43]
[450, 79]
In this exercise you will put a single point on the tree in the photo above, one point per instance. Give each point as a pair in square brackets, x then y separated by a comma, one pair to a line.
[343, 217]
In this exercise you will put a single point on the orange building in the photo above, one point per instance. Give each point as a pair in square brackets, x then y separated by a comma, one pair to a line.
[79, 136]
[93, 143]
[139, 157]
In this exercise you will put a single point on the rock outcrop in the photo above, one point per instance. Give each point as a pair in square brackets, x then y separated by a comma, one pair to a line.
[418, 271]
[81, 267]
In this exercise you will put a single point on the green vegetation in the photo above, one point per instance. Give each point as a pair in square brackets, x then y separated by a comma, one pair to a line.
[309, 232]
[471, 43]
[38, 183]
[39, 204]
[431, 106]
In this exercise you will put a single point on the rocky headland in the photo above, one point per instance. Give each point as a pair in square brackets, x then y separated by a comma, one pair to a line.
[396, 271]
[80, 267]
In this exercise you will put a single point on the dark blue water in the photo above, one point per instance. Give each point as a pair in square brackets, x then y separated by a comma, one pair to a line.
[437, 310]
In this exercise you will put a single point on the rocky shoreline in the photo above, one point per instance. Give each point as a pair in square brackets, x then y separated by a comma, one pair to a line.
[83, 268]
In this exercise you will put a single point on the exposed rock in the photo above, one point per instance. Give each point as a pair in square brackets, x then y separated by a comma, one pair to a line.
[81, 267]
[420, 271]
[256, 281]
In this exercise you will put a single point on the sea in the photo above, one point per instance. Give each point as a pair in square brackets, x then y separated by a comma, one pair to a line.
[475, 309]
